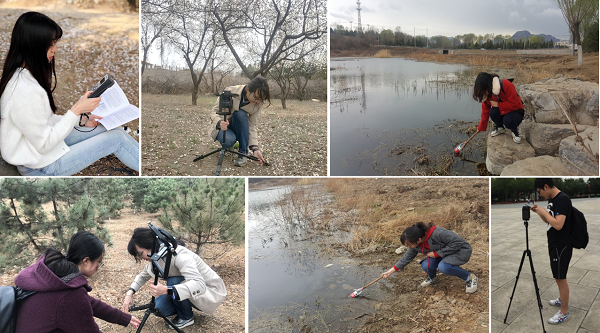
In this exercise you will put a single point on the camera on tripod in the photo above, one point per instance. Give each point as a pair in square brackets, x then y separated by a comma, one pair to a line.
[226, 102]
[526, 210]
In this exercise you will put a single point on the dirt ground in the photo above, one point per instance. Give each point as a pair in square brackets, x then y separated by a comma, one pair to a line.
[293, 141]
[111, 281]
[94, 42]
[381, 209]
[528, 68]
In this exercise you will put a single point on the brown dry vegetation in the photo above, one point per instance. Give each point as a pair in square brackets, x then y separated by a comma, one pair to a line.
[293, 141]
[94, 42]
[528, 68]
[112, 281]
[375, 212]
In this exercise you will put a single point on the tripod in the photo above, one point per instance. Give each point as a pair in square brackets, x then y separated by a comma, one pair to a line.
[225, 108]
[166, 248]
[527, 252]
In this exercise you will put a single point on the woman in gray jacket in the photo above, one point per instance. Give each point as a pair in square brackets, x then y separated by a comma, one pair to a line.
[191, 282]
[445, 251]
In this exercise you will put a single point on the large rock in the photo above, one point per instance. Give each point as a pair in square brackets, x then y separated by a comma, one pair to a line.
[576, 154]
[503, 151]
[8, 169]
[545, 138]
[541, 166]
[579, 98]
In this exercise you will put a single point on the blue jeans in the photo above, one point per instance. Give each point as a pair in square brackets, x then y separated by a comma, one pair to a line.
[238, 130]
[168, 306]
[511, 120]
[87, 147]
[429, 265]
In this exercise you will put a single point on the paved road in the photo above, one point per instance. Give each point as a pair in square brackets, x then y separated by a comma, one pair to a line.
[508, 244]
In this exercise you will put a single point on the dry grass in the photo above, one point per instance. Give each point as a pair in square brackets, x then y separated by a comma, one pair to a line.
[383, 54]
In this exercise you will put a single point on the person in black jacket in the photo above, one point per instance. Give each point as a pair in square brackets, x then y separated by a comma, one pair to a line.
[559, 245]
[444, 249]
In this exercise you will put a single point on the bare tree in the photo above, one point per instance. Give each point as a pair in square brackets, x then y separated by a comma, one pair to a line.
[156, 16]
[268, 31]
[574, 12]
[194, 38]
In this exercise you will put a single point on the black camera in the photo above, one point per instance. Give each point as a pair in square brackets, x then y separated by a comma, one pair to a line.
[525, 212]
[226, 102]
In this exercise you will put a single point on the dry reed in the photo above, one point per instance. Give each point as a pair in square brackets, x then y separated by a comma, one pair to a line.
[383, 54]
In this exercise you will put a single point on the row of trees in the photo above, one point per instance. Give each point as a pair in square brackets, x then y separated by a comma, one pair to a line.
[515, 189]
[488, 41]
[271, 38]
[37, 213]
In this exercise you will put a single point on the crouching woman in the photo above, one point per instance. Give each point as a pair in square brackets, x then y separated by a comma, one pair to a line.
[445, 251]
[191, 282]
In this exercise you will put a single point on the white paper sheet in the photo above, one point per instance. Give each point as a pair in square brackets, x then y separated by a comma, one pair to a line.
[120, 117]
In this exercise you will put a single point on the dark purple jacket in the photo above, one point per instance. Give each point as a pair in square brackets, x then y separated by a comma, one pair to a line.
[60, 306]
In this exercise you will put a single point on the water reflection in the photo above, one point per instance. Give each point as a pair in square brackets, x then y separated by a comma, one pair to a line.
[403, 96]
[289, 283]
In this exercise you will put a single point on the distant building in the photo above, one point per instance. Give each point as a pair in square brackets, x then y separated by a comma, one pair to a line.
[563, 43]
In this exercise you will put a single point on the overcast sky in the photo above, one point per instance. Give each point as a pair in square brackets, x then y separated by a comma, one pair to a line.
[456, 17]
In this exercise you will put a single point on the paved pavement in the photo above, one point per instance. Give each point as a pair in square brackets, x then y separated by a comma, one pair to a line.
[508, 244]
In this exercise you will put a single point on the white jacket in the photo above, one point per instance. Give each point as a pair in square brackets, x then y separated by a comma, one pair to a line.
[202, 286]
[31, 134]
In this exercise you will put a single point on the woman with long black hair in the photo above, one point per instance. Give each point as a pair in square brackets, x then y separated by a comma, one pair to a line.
[444, 250]
[501, 102]
[32, 136]
[61, 302]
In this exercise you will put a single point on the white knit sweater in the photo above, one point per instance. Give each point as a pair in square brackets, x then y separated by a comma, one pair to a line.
[31, 134]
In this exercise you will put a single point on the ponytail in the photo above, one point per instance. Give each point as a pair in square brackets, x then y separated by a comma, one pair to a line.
[58, 263]
[412, 234]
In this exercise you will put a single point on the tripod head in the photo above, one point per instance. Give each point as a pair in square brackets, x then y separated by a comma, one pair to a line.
[226, 102]
[164, 244]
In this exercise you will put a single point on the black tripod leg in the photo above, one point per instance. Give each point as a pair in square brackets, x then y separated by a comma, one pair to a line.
[146, 315]
[206, 155]
[515, 287]
[537, 290]
[220, 162]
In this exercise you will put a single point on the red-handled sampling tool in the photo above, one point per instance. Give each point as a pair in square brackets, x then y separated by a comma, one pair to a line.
[461, 146]
[358, 291]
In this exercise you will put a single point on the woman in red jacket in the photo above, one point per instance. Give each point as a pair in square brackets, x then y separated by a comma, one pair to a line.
[499, 101]
[61, 302]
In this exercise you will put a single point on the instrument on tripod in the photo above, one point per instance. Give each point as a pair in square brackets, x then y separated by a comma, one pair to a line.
[164, 246]
[525, 214]
[225, 109]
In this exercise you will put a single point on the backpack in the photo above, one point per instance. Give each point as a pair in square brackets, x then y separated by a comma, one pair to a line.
[8, 307]
[579, 234]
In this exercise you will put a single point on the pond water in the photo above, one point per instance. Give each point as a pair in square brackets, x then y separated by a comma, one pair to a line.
[393, 116]
[290, 287]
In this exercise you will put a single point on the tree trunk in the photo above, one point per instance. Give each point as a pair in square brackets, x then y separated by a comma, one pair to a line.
[283, 103]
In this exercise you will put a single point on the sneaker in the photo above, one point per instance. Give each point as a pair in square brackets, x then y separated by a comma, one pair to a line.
[497, 131]
[555, 302]
[428, 281]
[472, 284]
[180, 323]
[558, 318]
[516, 138]
[240, 161]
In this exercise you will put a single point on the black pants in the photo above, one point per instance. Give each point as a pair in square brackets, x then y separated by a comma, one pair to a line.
[511, 120]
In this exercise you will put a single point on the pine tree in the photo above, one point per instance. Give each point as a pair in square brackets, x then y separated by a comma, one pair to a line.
[36, 213]
[210, 211]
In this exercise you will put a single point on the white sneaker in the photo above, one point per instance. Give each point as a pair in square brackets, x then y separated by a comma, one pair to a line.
[555, 302]
[497, 131]
[558, 318]
[516, 138]
[428, 282]
[472, 284]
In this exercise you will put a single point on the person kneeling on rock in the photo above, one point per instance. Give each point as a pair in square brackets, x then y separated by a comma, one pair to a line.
[445, 251]
[499, 101]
